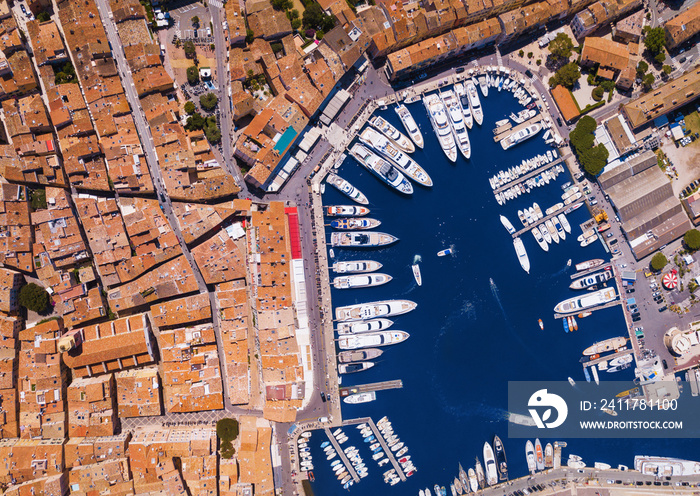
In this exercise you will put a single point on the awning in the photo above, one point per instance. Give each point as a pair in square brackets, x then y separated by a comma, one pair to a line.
[670, 280]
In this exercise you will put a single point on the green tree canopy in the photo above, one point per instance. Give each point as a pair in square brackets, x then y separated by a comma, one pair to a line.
[655, 39]
[692, 239]
[213, 133]
[642, 68]
[249, 36]
[192, 75]
[189, 107]
[282, 5]
[597, 93]
[648, 81]
[568, 75]
[592, 158]
[658, 262]
[195, 21]
[667, 69]
[227, 429]
[190, 49]
[561, 46]
[33, 297]
[315, 18]
[660, 57]
[43, 16]
[195, 122]
[208, 101]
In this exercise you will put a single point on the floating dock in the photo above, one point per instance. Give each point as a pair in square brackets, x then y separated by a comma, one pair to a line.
[380, 440]
[341, 454]
[375, 386]
[539, 170]
[534, 120]
[541, 221]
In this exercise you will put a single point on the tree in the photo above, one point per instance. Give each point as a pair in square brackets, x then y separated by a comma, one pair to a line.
[658, 262]
[296, 24]
[38, 198]
[692, 239]
[43, 16]
[561, 46]
[667, 69]
[530, 55]
[195, 122]
[195, 21]
[33, 297]
[648, 81]
[660, 57]
[192, 75]
[582, 138]
[282, 5]
[597, 93]
[208, 101]
[227, 429]
[190, 49]
[249, 36]
[315, 18]
[568, 75]
[642, 68]
[655, 40]
[189, 107]
[521, 53]
[213, 133]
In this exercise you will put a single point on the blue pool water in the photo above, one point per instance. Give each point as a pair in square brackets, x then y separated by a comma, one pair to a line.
[468, 339]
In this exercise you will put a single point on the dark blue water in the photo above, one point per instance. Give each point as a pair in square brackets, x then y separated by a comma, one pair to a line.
[468, 339]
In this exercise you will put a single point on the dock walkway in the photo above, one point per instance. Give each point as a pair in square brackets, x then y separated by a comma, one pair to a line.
[541, 221]
[608, 358]
[375, 386]
[539, 170]
[534, 120]
[341, 454]
[387, 450]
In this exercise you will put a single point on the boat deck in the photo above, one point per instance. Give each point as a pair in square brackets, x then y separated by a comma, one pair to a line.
[584, 273]
[375, 386]
[608, 358]
[542, 220]
[534, 120]
[529, 175]
[609, 304]
[341, 454]
[387, 451]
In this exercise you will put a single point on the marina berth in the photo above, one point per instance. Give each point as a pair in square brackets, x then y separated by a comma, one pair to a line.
[361, 239]
[366, 311]
[384, 338]
[358, 398]
[589, 264]
[364, 326]
[545, 233]
[356, 266]
[355, 223]
[351, 368]
[490, 465]
[346, 211]
[564, 222]
[520, 136]
[388, 173]
[356, 281]
[347, 189]
[392, 133]
[396, 157]
[605, 346]
[522, 254]
[501, 462]
[440, 122]
[540, 239]
[359, 355]
[660, 466]
[530, 456]
[552, 231]
[576, 304]
[522, 116]
[506, 223]
[459, 130]
[592, 279]
[464, 102]
[409, 125]
[474, 102]
[483, 86]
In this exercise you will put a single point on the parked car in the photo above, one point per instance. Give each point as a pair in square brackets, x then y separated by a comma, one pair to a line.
[636, 319]
[323, 396]
[664, 363]
[609, 235]
[459, 70]
[559, 121]
[630, 291]
[663, 309]
[594, 202]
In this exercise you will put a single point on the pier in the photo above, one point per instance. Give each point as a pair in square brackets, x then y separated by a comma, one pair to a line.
[380, 440]
[539, 170]
[584, 273]
[607, 358]
[542, 220]
[534, 120]
[610, 304]
[375, 386]
[341, 454]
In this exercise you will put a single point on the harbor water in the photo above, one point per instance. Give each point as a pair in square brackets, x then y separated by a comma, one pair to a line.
[469, 336]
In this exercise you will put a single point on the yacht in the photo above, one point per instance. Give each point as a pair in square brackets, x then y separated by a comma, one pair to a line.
[463, 479]
[589, 264]
[439, 120]
[558, 227]
[475, 103]
[356, 266]
[548, 456]
[522, 116]
[520, 136]
[355, 399]
[388, 173]
[346, 210]
[545, 233]
[539, 455]
[501, 463]
[564, 222]
[392, 133]
[578, 303]
[361, 239]
[359, 355]
[473, 482]
[389, 151]
[351, 368]
[540, 239]
[364, 326]
[530, 455]
[552, 230]
[464, 102]
[360, 281]
[506, 223]
[490, 464]
[347, 189]
[384, 338]
[410, 125]
[480, 473]
[660, 466]
[366, 311]
[605, 346]
[459, 130]
[483, 86]
[522, 254]
[355, 223]
[592, 279]
[416, 274]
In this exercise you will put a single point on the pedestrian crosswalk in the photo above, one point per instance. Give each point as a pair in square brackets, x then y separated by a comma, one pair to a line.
[216, 3]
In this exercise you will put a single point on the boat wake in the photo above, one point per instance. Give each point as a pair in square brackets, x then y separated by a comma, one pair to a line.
[496, 294]
[417, 259]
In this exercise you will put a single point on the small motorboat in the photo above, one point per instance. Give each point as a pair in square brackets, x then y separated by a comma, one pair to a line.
[447, 251]
[417, 274]
[539, 321]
